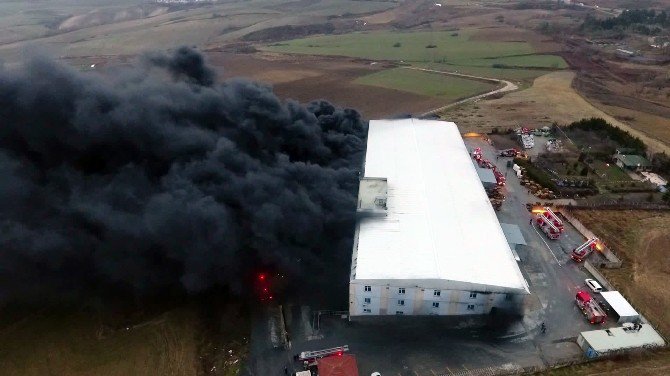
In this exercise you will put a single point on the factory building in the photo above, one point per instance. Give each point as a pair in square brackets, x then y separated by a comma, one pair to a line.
[427, 241]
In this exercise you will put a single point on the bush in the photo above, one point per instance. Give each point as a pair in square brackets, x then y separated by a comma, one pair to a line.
[431, 46]
[585, 171]
[621, 137]
[537, 174]
[397, 44]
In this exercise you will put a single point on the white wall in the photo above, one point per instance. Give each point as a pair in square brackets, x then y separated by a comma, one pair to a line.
[383, 300]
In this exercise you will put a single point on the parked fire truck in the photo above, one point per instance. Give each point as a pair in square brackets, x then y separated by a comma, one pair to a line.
[547, 227]
[583, 251]
[550, 215]
[590, 308]
[500, 178]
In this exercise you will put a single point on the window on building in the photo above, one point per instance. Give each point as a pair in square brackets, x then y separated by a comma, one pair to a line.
[508, 296]
[436, 293]
[367, 310]
[473, 295]
[401, 290]
[399, 312]
[436, 304]
[471, 307]
[368, 288]
[367, 300]
[401, 302]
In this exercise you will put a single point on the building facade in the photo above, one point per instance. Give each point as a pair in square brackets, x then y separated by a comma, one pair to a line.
[427, 241]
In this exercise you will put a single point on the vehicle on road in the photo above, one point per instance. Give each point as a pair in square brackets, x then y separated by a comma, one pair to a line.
[590, 308]
[593, 285]
[547, 227]
[580, 253]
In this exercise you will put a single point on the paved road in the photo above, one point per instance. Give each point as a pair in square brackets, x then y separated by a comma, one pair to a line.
[507, 86]
[553, 276]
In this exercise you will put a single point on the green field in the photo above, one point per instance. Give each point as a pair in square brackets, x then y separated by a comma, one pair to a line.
[514, 74]
[425, 83]
[449, 47]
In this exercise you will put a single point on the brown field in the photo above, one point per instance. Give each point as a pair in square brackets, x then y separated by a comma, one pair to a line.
[642, 240]
[329, 78]
[188, 340]
[551, 99]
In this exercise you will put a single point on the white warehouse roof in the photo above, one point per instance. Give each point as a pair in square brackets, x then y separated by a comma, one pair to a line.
[440, 229]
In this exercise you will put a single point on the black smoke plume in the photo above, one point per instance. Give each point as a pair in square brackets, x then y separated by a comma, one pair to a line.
[142, 182]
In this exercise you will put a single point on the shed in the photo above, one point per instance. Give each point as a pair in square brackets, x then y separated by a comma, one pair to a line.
[620, 306]
[487, 177]
[338, 365]
[514, 238]
[598, 343]
[632, 162]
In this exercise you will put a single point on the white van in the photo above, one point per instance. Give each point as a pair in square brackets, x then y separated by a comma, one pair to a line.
[593, 285]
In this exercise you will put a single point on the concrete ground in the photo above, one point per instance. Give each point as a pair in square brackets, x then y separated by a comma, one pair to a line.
[421, 346]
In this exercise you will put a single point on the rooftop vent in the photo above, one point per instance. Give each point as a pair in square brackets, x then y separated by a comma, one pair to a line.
[372, 196]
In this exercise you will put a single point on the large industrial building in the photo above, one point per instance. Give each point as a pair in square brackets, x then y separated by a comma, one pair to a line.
[427, 240]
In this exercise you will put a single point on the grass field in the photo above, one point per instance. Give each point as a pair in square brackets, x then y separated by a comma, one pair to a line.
[641, 239]
[83, 342]
[451, 47]
[425, 83]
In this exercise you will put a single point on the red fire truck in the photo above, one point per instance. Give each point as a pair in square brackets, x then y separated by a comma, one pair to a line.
[590, 308]
[547, 227]
[550, 215]
[583, 251]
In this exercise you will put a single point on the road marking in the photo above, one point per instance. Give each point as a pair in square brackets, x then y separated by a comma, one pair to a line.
[433, 372]
[448, 370]
[545, 243]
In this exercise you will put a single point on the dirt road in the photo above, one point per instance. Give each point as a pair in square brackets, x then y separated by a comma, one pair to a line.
[507, 86]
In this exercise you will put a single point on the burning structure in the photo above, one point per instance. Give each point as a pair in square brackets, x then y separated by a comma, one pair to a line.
[427, 241]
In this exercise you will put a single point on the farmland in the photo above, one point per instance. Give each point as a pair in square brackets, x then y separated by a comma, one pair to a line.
[425, 83]
[453, 47]
[90, 341]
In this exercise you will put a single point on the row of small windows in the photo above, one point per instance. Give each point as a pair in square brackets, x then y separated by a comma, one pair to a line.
[401, 290]
[471, 307]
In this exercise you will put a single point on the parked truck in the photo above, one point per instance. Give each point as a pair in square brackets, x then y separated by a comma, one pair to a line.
[590, 308]
[547, 227]
[550, 215]
[580, 253]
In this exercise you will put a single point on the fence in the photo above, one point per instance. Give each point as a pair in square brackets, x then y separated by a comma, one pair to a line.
[599, 277]
[613, 262]
[617, 205]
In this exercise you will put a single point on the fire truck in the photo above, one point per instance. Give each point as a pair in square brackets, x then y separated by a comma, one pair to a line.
[313, 355]
[500, 178]
[550, 215]
[583, 251]
[477, 154]
[547, 227]
[590, 308]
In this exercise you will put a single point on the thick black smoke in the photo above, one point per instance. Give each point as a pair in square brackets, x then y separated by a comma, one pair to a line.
[145, 183]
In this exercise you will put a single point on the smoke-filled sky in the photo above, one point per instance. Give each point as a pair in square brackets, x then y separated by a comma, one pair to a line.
[156, 177]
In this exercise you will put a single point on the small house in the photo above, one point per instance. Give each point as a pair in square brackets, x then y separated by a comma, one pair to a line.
[632, 162]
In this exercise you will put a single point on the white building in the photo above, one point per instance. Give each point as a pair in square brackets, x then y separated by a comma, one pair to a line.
[598, 343]
[427, 241]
